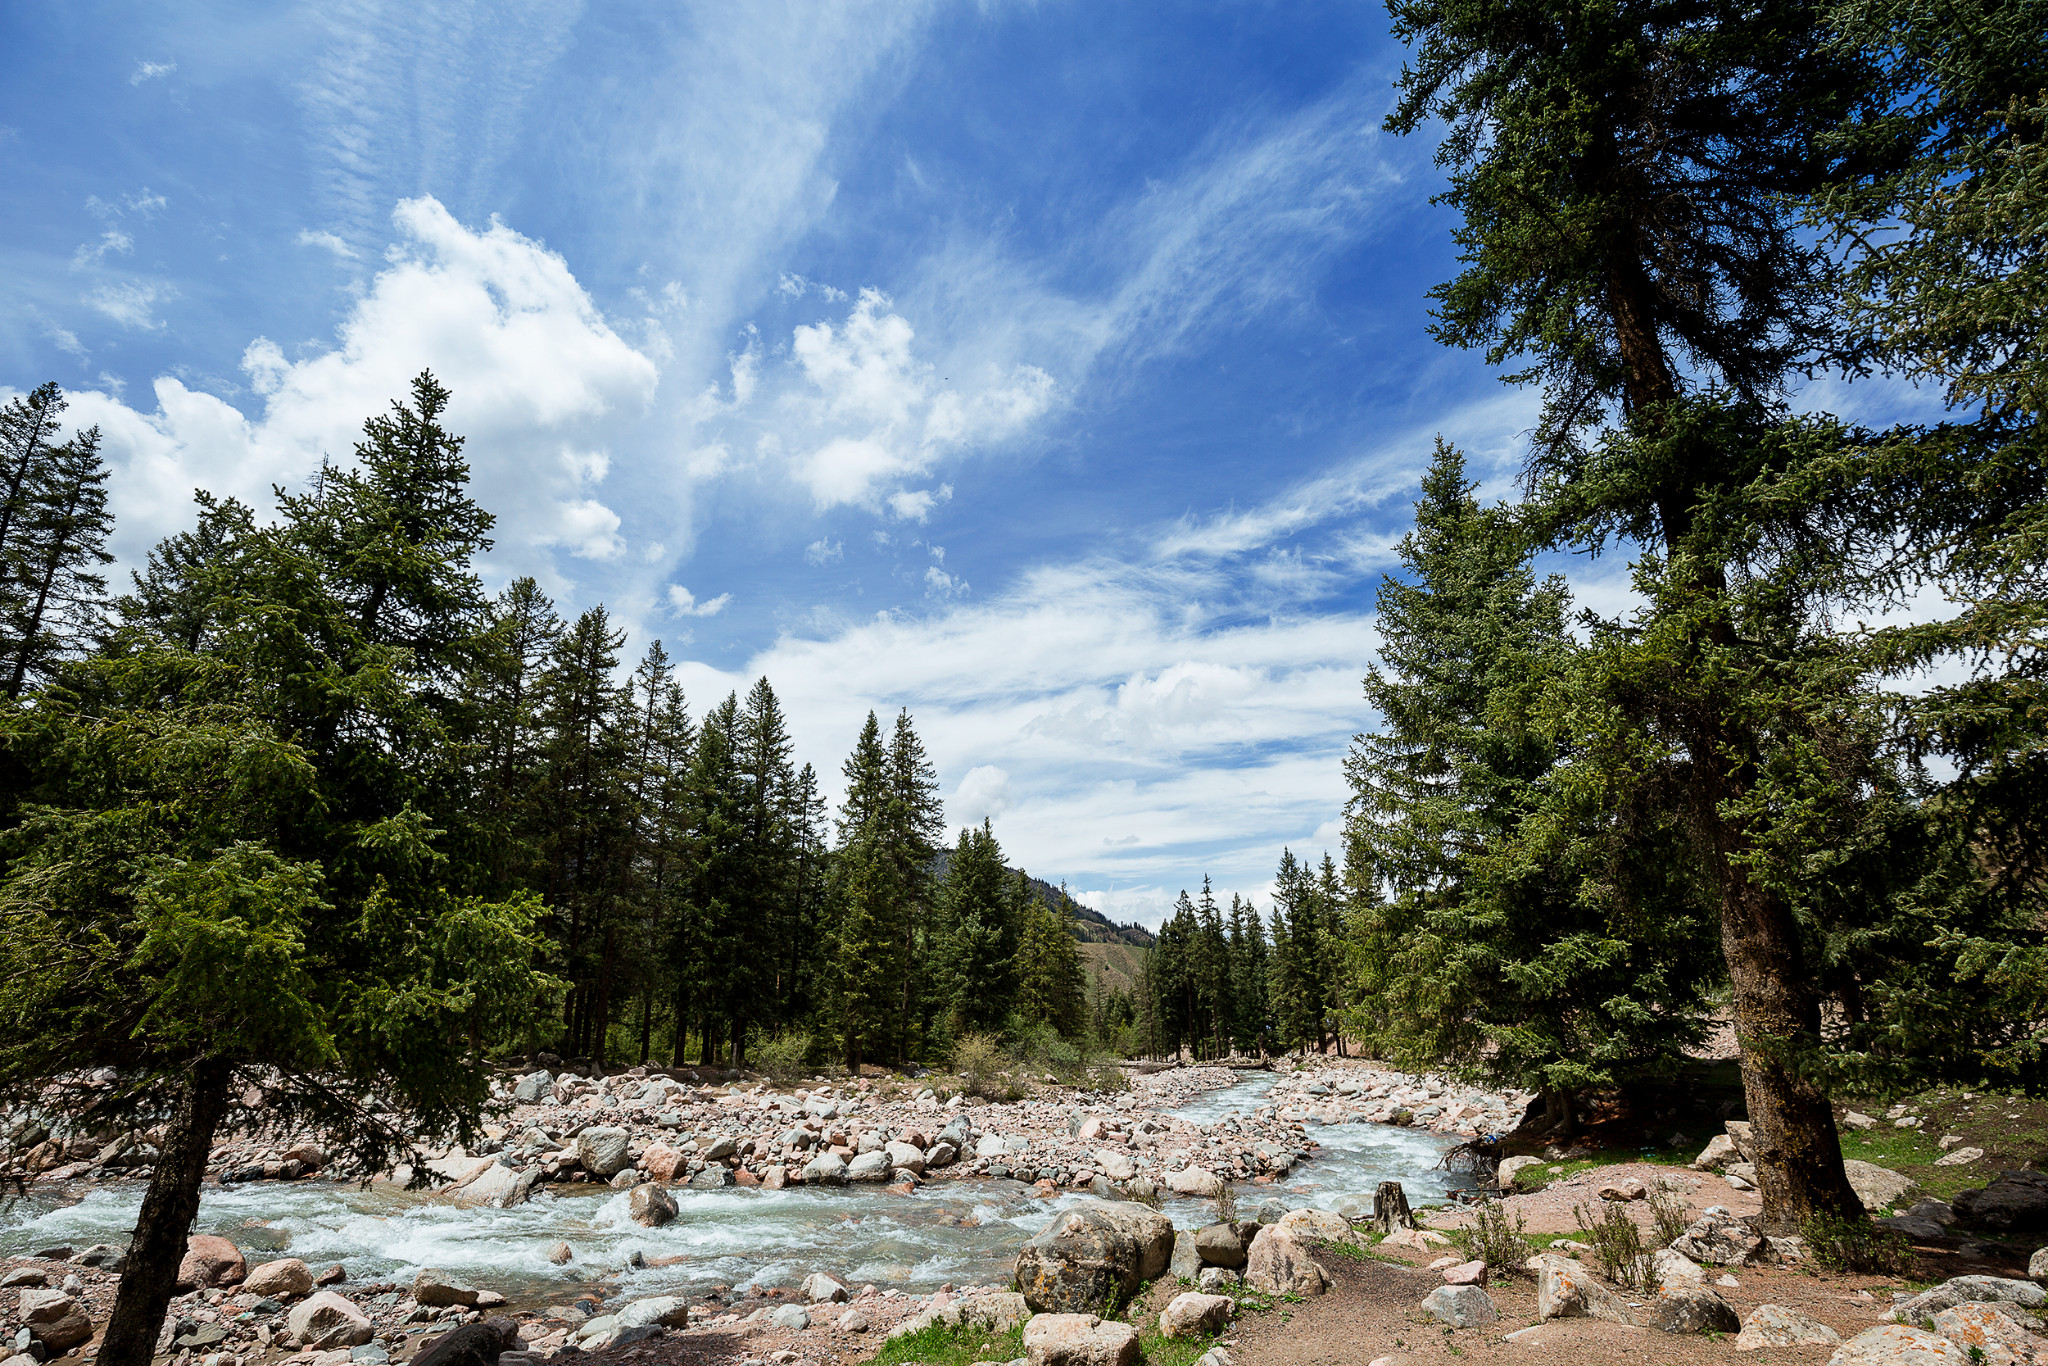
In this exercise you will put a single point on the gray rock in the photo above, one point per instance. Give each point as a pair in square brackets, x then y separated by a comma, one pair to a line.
[905, 1156]
[1220, 1245]
[871, 1166]
[1964, 1290]
[1879, 1188]
[1935, 1211]
[826, 1169]
[720, 1148]
[1719, 1239]
[437, 1289]
[1773, 1325]
[2037, 1265]
[941, 1154]
[1090, 1251]
[1510, 1167]
[1896, 1344]
[958, 1133]
[532, 1087]
[602, 1151]
[1919, 1230]
[1692, 1309]
[2016, 1202]
[1219, 1280]
[1567, 1290]
[668, 1311]
[1186, 1263]
[791, 1317]
[651, 1206]
[712, 1178]
[1461, 1306]
[820, 1288]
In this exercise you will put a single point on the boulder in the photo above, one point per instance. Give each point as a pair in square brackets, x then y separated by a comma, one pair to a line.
[661, 1162]
[286, 1278]
[1465, 1273]
[1965, 1289]
[1186, 1263]
[1567, 1290]
[1461, 1306]
[720, 1148]
[325, 1321]
[994, 1313]
[792, 1318]
[820, 1288]
[210, 1262]
[1744, 1134]
[61, 1335]
[437, 1290]
[561, 1254]
[1079, 1340]
[534, 1087]
[1959, 1157]
[310, 1156]
[1191, 1314]
[1219, 1245]
[650, 1205]
[873, 1166]
[2016, 1202]
[496, 1187]
[1421, 1239]
[1278, 1264]
[1718, 1153]
[941, 1154]
[2037, 1265]
[1773, 1325]
[1896, 1344]
[1198, 1182]
[1317, 1226]
[990, 1145]
[1720, 1239]
[1854, 1121]
[1091, 1250]
[1619, 1191]
[1879, 1188]
[38, 1306]
[1511, 1166]
[1218, 1280]
[1692, 1309]
[602, 1151]
[668, 1311]
[31, 1276]
[826, 1169]
[907, 1156]
[1669, 1267]
[1992, 1330]
[716, 1177]
[852, 1321]
[1114, 1164]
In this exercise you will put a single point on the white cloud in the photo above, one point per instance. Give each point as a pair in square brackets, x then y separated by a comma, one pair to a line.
[683, 603]
[131, 303]
[538, 377]
[328, 242]
[983, 794]
[939, 584]
[112, 242]
[914, 505]
[822, 552]
[149, 71]
[67, 342]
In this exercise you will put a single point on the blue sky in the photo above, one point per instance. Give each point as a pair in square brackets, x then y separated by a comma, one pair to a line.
[1058, 371]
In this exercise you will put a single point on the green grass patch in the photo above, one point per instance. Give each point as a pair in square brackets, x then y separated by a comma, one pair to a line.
[1532, 1179]
[939, 1345]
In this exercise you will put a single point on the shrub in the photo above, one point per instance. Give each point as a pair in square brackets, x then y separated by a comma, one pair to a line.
[1668, 1214]
[784, 1057]
[1617, 1244]
[1497, 1243]
[983, 1067]
[1857, 1245]
[1226, 1204]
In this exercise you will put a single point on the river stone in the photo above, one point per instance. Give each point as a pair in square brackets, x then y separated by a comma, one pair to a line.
[1278, 1264]
[210, 1262]
[437, 1289]
[669, 1311]
[1198, 1182]
[1718, 1153]
[1692, 1309]
[1964, 1289]
[991, 1145]
[497, 1187]
[1079, 1340]
[826, 1169]
[1191, 1314]
[470, 1344]
[1218, 1280]
[791, 1317]
[1773, 1325]
[661, 1162]
[1567, 1290]
[994, 1313]
[1670, 1267]
[602, 1151]
[1219, 1245]
[941, 1154]
[712, 1178]
[2016, 1202]
[31, 1276]
[1896, 1344]
[325, 1321]
[1504, 1175]
[907, 1156]
[1114, 1164]
[2037, 1265]
[39, 1306]
[957, 1133]
[1879, 1188]
[1466, 1273]
[532, 1087]
[1091, 1250]
[61, 1335]
[651, 1205]
[1317, 1226]
[1186, 1263]
[820, 1288]
[287, 1277]
[869, 1167]
[1461, 1306]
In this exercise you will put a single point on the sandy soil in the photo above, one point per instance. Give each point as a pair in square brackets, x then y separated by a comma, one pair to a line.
[1551, 1210]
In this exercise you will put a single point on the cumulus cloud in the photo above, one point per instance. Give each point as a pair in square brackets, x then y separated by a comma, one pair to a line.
[150, 71]
[983, 794]
[823, 552]
[683, 603]
[537, 375]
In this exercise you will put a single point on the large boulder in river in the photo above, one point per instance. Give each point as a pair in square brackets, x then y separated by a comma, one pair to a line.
[602, 1150]
[1198, 1182]
[210, 1262]
[438, 1290]
[650, 1205]
[826, 1169]
[1090, 1251]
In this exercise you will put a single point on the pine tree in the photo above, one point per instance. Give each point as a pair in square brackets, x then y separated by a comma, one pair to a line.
[178, 595]
[61, 531]
[916, 827]
[978, 934]
[1251, 1026]
[1051, 990]
[868, 903]
[1212, 973]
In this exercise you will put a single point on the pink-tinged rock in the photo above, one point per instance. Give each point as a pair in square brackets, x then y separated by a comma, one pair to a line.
[210, 1262]
[1773, 1325]
[1567, 1290]
[1897, 1344]
[1079, 1340]
[1278, 1264]
[1192, 1314]
[1466, 1273]
[326, 1321]
[1992, 1330]
[775, 1178]
[286, 1278]
[1619, 1191]
[660, 1162]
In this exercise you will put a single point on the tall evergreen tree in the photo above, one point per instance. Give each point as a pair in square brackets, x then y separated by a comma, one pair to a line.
[979, 932]
[57, 607]
[1050, 990]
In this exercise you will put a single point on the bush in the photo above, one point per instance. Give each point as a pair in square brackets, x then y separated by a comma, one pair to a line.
[983, 1067]
[1617, 1244]
[784, 1057]
[1226, 1204]
[1501, 1246]
[1858, 1245]
[1668, 1213]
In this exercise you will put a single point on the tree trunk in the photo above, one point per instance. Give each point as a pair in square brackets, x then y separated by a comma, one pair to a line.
[646, 1024]
[169, 1205]
[1390, 1208]
[601, 1025]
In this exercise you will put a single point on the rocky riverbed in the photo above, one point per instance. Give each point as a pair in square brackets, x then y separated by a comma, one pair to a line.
[629, 1195]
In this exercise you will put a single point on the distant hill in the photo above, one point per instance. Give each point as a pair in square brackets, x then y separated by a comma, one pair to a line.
[1090, 927]
[1115, 965]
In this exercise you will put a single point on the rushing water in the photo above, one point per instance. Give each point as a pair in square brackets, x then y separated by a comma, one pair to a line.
[962, 1232]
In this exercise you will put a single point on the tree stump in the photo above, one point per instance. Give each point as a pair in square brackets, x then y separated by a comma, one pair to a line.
[1390, 1208]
